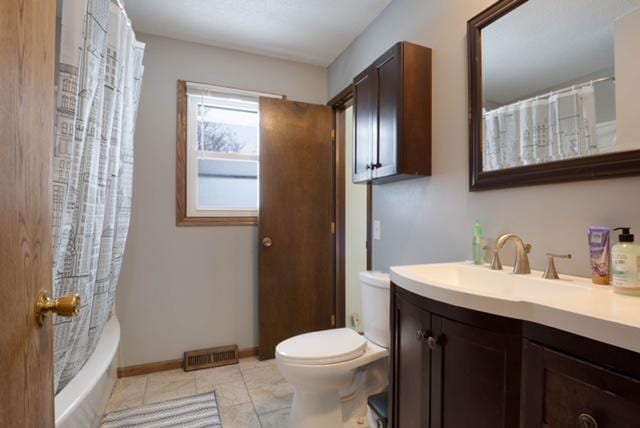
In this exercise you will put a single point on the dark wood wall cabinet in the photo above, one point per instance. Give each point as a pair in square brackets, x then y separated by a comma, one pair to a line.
[392, 116]
[453, 367]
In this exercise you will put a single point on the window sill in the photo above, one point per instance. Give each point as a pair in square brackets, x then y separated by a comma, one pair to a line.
[217, 221]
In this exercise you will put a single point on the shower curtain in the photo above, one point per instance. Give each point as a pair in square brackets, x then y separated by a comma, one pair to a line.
[98, 81]
[559, 126]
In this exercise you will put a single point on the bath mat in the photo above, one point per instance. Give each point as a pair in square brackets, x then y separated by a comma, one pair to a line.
[196, 411]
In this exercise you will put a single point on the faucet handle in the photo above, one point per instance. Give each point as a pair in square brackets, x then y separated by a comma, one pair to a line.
[550, 271]
[527, 248]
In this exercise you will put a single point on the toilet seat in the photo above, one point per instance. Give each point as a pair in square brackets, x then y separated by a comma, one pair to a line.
[322, 347]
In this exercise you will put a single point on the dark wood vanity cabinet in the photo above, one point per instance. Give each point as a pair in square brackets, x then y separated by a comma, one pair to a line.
[392, 116]
[447, 372]
[563, 391]
[456, 368]
[475, 376]
[412, 366]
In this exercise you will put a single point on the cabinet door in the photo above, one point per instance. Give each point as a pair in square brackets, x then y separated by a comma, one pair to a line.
[561, 391]
[365, 118]
[389, 87]
[411, 366]
[475, 377]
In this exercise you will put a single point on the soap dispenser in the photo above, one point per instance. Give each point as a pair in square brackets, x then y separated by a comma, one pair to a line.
[625, 258]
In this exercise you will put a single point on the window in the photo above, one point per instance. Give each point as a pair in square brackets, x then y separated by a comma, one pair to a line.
[218, 155]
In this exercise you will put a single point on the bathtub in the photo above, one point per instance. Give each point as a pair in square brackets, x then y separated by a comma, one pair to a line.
[81, 403]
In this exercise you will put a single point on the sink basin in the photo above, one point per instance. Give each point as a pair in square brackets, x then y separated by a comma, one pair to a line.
[571, 303]
[467, 277]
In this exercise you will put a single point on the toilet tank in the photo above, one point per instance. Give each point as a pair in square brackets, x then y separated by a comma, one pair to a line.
[374, 292]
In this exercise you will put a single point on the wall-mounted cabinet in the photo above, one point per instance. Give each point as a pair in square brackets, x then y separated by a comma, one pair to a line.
[392, 100]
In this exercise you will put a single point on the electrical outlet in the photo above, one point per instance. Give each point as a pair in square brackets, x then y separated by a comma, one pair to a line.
[377, 230]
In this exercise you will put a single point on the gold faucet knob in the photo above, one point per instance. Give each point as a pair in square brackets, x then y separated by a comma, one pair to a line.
[65, 306]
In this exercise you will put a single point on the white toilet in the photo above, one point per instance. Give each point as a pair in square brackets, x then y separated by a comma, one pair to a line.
[334, 371]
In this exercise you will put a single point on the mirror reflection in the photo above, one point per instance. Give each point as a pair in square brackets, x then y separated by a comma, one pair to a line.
[554, 85]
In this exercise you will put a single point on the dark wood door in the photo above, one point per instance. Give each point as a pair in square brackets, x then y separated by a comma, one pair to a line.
[365, 116]
[475, 377]
[296, 279]
[388, 73]
[562, 391]
[27, 50]
[411, 366]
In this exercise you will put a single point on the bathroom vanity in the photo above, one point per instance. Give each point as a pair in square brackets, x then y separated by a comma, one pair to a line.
[472, 347]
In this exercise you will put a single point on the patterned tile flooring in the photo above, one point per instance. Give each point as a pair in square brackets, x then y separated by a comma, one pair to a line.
[250, 394]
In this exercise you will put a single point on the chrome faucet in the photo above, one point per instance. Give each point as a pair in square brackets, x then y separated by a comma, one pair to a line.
[521, 265]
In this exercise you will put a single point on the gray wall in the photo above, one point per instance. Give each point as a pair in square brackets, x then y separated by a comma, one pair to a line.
[185, 288]
[431, 219]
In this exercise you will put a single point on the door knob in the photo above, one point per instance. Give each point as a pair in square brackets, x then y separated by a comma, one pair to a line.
[66, 306]
[267, 242]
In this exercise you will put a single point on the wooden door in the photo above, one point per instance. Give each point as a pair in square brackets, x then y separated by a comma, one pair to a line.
[365, 113]
[475, 378]
[411, 366]
[296, 278]
[388, 70]
[27, 37]
[562, 391]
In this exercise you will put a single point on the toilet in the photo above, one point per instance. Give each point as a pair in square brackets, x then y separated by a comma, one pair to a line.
[333, 372]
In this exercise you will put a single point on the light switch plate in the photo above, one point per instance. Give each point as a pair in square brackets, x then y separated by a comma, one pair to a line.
[377, 230]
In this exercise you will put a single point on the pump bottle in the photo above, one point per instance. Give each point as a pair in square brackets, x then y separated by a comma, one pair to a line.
[625, 258]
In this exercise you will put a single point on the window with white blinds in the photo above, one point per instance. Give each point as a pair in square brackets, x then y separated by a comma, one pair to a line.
[222, 151]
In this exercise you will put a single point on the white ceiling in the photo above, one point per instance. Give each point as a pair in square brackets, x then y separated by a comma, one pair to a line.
[309, 31]
[544, 43]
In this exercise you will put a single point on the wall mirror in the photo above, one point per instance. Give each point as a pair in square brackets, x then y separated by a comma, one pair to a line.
[554, 92]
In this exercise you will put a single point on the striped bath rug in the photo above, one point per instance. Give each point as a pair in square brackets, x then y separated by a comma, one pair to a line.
[197, 411]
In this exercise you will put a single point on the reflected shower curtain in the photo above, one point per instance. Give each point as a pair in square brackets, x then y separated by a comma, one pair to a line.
[557, 126]
[98, 80]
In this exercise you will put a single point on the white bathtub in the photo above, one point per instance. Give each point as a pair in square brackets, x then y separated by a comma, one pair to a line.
[82, 402]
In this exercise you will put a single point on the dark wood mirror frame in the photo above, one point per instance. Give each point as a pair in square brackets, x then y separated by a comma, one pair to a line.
[587, 168]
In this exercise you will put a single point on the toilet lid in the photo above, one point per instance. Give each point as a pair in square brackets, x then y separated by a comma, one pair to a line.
[322, 347]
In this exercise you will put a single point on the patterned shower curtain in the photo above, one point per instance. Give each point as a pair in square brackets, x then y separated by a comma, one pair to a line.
[98, 83]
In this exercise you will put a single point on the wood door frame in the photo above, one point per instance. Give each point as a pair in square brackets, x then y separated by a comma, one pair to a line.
[340, 103]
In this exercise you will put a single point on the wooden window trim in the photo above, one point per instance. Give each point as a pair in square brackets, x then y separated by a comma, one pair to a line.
[182, 219]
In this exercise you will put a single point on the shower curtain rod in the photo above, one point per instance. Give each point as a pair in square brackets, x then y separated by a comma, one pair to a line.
[559, 91]
[123, 10]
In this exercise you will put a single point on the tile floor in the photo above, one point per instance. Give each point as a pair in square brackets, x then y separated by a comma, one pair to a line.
[250, 394]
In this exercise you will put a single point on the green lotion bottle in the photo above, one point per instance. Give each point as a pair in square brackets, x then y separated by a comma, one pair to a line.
[477, 243]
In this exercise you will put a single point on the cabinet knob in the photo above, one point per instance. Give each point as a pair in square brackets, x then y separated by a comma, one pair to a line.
[425, 336]
[433, 342]
[587, 421]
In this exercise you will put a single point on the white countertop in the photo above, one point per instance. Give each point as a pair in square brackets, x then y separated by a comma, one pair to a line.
[572, 304]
